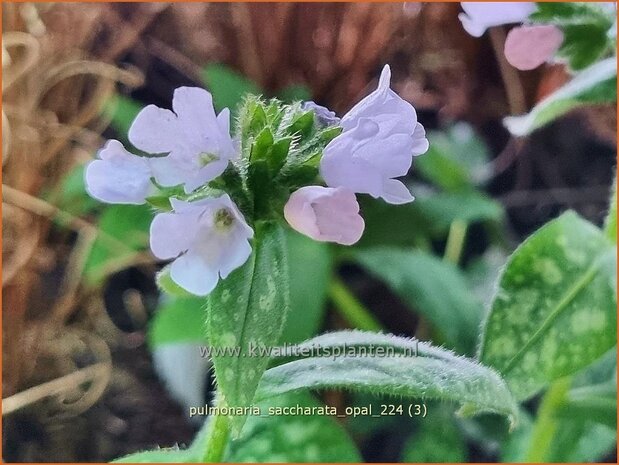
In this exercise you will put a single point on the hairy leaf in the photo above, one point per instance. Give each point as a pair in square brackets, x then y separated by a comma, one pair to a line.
[412, 369]
[248, 309]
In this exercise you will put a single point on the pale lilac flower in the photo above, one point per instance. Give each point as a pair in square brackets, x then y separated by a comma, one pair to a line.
[325, 116]
[528, 47]
[118, 176]
[380, 138]
[196, 140]
[207, 239]
[479, 16]
[325, 214]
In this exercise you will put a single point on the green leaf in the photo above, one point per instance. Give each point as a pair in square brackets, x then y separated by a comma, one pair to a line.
[303, 125]
[227, 86]
[456, 160]
[279, 438]
[436, 439]
[411, 369]
[576, 440]
[246, 309]
[124, 231]
[585, 28]
[432, 287]
[440, 210]
[555, 308]
[308, 286]
[260, 147]
[596, 84]
[584, 44]
[596, 403]
[178, 320]
[582, 442]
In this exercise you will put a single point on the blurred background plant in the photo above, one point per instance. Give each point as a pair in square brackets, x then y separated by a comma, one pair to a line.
[97, 365]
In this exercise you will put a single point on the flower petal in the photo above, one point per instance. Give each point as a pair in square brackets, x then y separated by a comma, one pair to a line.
[172, 234]
[205, 174]
[154, 130]
[420, 142]
[168, 172]
[325, 214]
[383, 101]
[193, 274]
[236, 256]
[396, 193]
[118, 176]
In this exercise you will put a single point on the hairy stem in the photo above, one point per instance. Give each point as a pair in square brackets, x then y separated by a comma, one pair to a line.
[351, 308]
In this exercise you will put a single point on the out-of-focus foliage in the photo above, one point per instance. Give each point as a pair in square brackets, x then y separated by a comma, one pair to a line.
[596, 84]
[585, 28]
[431, 287]
[123, 234]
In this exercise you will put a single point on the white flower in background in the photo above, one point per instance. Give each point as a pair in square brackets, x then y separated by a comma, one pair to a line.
[196, 140]
[207, 239]
[119, 176]
[380, 138]
[325, 214]
[479, 16]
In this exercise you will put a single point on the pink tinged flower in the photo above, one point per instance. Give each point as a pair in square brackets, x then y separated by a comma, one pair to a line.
[479, 16]
[196, 140]
[118, 176]
[207, 239]
[380, 138]
[528, 47]
[325, 214]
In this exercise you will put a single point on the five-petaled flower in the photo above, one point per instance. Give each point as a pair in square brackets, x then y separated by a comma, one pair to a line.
[207, 239]
[195, 142]
[380, 138]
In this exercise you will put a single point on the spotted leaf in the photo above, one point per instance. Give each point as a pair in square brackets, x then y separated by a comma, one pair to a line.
[246, 313]
[554, 311]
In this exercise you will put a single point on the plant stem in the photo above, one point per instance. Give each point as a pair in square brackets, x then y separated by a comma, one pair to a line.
[509, 74]
[217, 439]
[545, 425]
[351, 309]
[455, 241]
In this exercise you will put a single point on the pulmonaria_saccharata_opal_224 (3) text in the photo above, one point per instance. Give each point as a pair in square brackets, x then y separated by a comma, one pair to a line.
[297, 162]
